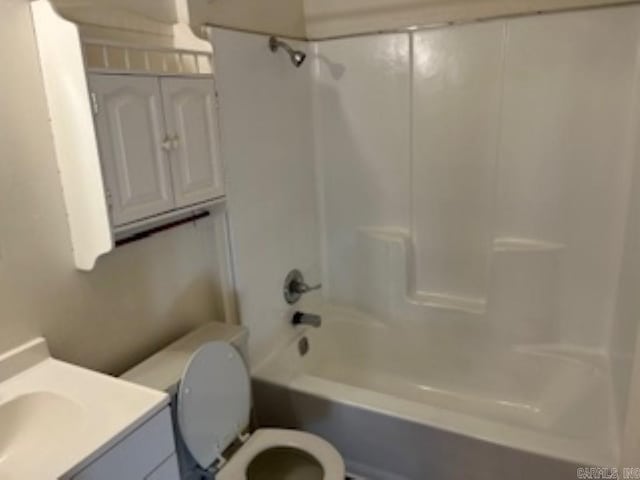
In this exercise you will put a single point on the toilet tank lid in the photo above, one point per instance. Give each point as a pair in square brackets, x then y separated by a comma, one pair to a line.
[163, 370]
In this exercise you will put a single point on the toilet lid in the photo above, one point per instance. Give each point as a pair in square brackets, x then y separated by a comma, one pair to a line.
[213, 401]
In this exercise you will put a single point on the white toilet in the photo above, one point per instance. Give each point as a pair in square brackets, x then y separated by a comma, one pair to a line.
[211, 403]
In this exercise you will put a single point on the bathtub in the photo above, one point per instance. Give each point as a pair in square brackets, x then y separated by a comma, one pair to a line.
[401, 403]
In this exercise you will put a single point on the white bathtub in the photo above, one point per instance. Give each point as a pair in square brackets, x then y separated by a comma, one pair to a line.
[363, 378]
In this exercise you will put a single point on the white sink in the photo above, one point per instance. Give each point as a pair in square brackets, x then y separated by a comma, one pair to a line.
[55, 418]
[36, 422]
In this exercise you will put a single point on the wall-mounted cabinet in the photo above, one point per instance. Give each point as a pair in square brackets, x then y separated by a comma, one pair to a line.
[135, 131]
[158, 141]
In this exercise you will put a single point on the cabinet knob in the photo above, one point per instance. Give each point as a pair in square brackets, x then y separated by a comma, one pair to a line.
[166, 143]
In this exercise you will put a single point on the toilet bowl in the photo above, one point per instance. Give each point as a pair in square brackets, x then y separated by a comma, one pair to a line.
[213, 406]
[285, 455]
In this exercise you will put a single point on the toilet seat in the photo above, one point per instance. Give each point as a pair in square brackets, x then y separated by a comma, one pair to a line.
[214, 400]
[212, 412]
[267, 438]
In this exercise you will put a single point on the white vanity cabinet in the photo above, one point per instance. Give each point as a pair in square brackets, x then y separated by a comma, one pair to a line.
[147, 453]
[158, 141]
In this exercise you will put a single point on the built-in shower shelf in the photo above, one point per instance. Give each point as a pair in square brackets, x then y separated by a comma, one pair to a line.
[445, 301]
[524, 245]
[387, 278]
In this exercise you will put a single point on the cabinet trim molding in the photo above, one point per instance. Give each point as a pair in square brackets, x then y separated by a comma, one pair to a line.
[76, 148]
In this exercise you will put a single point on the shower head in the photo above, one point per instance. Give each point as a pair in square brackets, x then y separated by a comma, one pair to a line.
[297, 57]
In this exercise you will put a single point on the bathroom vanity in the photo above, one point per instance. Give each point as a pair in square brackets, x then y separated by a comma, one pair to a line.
[60, 421]
[146, 453]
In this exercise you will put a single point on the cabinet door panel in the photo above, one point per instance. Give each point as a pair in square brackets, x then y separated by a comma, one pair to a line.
[136, 456]
[191, 118]
[130, 127]
[167, 471]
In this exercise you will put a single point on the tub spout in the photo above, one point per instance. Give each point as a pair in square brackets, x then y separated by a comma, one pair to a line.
[310, 319]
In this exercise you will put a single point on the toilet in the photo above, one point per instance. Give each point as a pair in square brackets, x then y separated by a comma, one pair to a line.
[210, 388]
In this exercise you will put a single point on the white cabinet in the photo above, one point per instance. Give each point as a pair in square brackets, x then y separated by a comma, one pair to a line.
[189, 106]
[126, 116]
[167, 471]
[147, 453]
[131, 129]
[158, 140]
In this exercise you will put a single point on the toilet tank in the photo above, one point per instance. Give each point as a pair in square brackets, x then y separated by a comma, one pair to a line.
[162, 370]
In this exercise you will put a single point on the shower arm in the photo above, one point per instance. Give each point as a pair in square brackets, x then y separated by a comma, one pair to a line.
[274, 44]
[297, 56]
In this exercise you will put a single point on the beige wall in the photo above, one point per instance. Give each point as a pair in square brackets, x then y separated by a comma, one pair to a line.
[326, 18]
[282, 17]
[138, 298]
[161, 10]
[318, 19]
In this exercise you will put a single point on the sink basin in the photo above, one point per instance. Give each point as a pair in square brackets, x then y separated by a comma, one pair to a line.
[57, 418]
[33, 425]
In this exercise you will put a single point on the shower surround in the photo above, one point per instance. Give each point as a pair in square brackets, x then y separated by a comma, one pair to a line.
[475, 190]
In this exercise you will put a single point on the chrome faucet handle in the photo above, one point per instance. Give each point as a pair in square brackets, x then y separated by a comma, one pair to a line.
[303, 288]
[295, 286]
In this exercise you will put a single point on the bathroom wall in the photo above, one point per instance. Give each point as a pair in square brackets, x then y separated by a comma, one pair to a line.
[327, 18]
[624, 331]
[265, 112]
[501, 165]
[280, 17]
[363, 155]
[137, 299]
[630, 455]
[161, 10]
[492, 200]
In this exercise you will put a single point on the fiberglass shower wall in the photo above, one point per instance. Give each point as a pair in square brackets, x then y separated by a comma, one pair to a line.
[483, 172]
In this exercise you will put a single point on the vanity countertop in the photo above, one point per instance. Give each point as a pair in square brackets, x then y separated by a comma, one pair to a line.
[57, 418]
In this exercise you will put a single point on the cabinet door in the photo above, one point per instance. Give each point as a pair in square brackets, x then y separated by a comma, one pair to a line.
[192, 122]
[167, 471]
[130, 127]
[139, 455]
